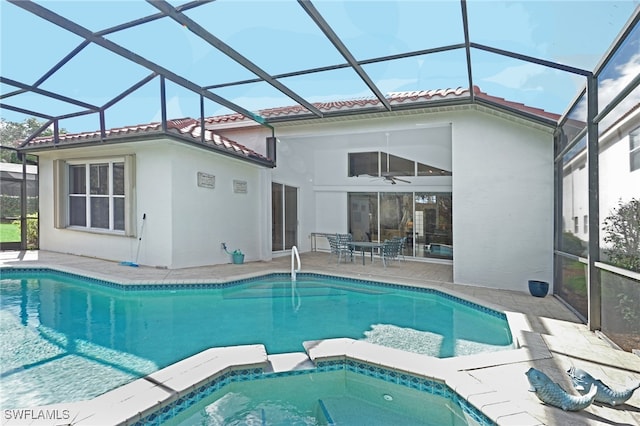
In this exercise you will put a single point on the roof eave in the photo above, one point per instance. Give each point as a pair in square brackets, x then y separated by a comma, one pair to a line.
[128, 138]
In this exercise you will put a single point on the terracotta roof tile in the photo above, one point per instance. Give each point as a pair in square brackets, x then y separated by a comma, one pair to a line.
[184, 126]
[394, 98]
[190, 127]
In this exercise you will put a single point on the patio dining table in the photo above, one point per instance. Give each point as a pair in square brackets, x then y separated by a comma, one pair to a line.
[364, 245]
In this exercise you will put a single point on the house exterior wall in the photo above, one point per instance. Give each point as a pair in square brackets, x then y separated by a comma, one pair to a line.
[203, 218]
[502, 203]
[502, 210]
[185, 224]
[617, 183]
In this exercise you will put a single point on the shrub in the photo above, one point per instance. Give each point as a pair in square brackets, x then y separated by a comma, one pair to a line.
[32, 230]
[572, 244]
[622, 233]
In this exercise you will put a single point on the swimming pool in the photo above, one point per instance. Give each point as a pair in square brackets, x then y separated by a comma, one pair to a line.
[340, 393]
[66, 338]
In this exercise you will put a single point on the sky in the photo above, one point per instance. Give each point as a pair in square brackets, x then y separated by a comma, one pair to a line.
[279, 37]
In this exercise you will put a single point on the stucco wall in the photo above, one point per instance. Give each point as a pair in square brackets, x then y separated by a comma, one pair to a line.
[185, 224]
[502, 202]
[203, 218]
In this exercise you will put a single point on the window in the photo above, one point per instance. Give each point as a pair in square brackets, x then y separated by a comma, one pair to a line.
[382, 163]
[576, 224]
[94, 194]
[634, 148]
[585, 226]
[363, 163]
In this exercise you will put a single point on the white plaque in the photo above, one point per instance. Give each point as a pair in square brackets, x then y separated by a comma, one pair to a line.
[206, 180]
[240, 186]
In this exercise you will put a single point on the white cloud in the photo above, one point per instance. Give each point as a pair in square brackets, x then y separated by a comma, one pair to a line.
[611, 87]
[516, 77]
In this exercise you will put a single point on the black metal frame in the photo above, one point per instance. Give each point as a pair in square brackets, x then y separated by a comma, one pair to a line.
[177, 14]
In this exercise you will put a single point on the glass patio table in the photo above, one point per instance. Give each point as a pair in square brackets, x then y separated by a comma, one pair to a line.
[364, 245]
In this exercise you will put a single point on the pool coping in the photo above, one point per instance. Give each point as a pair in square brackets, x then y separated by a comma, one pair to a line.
[138, 399]
[148, 399]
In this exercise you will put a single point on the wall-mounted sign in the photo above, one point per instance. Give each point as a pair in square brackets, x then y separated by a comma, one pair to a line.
[240, 186]
[206, 180]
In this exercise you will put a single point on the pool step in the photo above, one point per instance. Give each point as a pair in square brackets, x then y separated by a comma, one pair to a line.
[344, 410]
[288, 362]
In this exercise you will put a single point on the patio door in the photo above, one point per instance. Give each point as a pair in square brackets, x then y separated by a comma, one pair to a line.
[284, 216]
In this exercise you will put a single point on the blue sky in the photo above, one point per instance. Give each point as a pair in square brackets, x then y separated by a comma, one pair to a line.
[279, 37]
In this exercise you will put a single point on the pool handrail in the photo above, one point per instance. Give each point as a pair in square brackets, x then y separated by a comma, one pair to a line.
[295, 255]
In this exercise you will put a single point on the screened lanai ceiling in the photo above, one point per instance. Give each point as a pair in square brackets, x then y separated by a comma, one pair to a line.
[103, 64]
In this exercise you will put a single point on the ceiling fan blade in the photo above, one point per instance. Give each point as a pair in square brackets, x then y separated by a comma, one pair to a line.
[401, 180]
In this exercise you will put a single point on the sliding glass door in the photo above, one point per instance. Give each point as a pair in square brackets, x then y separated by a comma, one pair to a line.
[284, 217]
[433, 225]
[423, 218]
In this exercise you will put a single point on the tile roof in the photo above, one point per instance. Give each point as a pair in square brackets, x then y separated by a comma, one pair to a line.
[394, 98]
[189, 129]
[186, 128]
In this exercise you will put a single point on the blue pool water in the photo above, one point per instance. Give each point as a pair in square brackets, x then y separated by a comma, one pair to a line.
[66, 338]
[328, 397]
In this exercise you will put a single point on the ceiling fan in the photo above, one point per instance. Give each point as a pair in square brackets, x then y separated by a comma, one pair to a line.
[393, 179]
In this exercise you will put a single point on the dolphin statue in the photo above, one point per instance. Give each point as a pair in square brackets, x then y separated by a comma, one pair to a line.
[551, 393]
[582, 380]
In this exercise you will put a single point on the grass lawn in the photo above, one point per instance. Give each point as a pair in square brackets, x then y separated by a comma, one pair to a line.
[9, 232]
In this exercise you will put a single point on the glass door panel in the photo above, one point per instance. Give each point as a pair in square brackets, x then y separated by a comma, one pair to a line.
[290, 217]
[396, 216]
[363, 216]
[284, 217]
[277, 223]
[433, 225]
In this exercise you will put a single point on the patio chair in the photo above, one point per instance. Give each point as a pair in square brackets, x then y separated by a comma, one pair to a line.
[333, 245]
[390, 251]
[403, 244]
[340, 245]
[344, 246]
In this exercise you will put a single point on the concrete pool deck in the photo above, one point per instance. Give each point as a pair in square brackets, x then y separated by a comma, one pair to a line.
[551, 337]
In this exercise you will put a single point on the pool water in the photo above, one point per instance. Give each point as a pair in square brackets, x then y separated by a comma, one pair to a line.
[337, 397]
[67, 339]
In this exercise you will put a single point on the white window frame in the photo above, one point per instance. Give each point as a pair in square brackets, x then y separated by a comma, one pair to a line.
[62, 198]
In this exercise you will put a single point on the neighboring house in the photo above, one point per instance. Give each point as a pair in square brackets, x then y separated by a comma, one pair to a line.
[479, 191]
[619, 175]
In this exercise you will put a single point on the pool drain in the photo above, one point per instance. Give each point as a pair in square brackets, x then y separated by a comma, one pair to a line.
[387, 397]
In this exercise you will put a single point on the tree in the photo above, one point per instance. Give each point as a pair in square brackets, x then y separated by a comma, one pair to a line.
[13, 133]
[622, 230]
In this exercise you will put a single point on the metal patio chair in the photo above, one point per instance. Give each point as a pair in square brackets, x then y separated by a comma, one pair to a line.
[403, 244]
[340, 246]
[390, 251]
